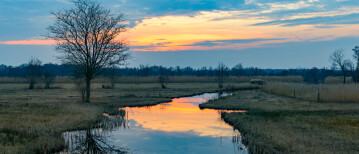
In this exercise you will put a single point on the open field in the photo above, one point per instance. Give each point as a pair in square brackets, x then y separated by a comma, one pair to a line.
[33, 120]
[275, 124]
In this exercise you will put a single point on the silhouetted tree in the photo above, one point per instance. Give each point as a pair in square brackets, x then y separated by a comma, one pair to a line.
[163, 78]
[338, 60]
[352, 70]
[49, 78]
[238, 70]
[356, 57]
[33, 72]
[87, 37]
[221, 74]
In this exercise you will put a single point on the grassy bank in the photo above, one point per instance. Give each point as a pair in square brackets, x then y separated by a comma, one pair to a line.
[327, 92]
[276, 124]
[32, 120]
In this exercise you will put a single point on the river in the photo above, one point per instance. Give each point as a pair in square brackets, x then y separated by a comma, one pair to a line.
[179, 126]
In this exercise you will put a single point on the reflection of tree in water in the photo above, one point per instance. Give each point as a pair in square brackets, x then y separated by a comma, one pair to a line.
[94, 140]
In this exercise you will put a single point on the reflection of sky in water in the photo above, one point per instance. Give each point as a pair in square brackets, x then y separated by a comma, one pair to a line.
[176, 127]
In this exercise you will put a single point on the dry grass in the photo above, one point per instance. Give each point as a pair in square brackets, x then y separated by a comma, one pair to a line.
[337, 80]
[29, 128]
[276, 124]
[327, 92]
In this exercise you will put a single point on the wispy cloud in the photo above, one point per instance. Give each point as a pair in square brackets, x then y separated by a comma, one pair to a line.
[328, 20]
[29, 42]
[228, 42]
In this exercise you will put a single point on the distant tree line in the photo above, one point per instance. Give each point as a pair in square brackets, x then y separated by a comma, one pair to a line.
[313, 75]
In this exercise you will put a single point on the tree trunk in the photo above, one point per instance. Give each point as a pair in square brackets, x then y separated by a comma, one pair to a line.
[88, 89]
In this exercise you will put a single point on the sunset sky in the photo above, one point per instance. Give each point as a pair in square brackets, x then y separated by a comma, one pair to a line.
[258, 33]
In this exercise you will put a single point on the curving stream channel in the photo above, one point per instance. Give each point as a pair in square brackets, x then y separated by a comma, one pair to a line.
[179, 126]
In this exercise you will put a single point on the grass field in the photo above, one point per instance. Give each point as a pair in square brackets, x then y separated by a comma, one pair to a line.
[327, 92]
[32, 120]
[275, 124]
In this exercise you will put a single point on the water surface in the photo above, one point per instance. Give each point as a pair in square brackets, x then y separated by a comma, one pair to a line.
[179, 126]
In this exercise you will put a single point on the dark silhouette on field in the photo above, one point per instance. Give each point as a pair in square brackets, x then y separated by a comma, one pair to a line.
[163, 78]
[221, 74]
[33, 72]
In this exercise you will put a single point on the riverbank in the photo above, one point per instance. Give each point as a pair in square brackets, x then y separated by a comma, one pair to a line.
[32, 120]
[275, 124]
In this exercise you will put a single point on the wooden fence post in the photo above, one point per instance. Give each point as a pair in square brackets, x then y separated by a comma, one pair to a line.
[294, 93]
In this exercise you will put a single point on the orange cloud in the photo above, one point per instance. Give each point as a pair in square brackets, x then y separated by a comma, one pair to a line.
[181, 32]
[30, 42]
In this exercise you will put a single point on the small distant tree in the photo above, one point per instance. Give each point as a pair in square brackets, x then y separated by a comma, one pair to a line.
[33, 72]
[356, 57]
[87, 37]
[338, 60]
[352, 70]
[221, 74]
[49, 78]
[163, 78]
[238, 70]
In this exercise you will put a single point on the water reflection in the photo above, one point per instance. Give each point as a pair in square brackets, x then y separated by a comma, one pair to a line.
[95, 139]
[176, 127]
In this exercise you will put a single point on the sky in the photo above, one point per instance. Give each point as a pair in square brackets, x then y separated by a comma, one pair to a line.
[197, 33]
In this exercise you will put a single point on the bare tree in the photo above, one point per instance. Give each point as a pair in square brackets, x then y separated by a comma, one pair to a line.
[356, 57]
[238, 70]
[163, 78]
[49, 79]
[221, 74]
[351, 67]
[87, 36]
[337, 59]
[33, 72]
